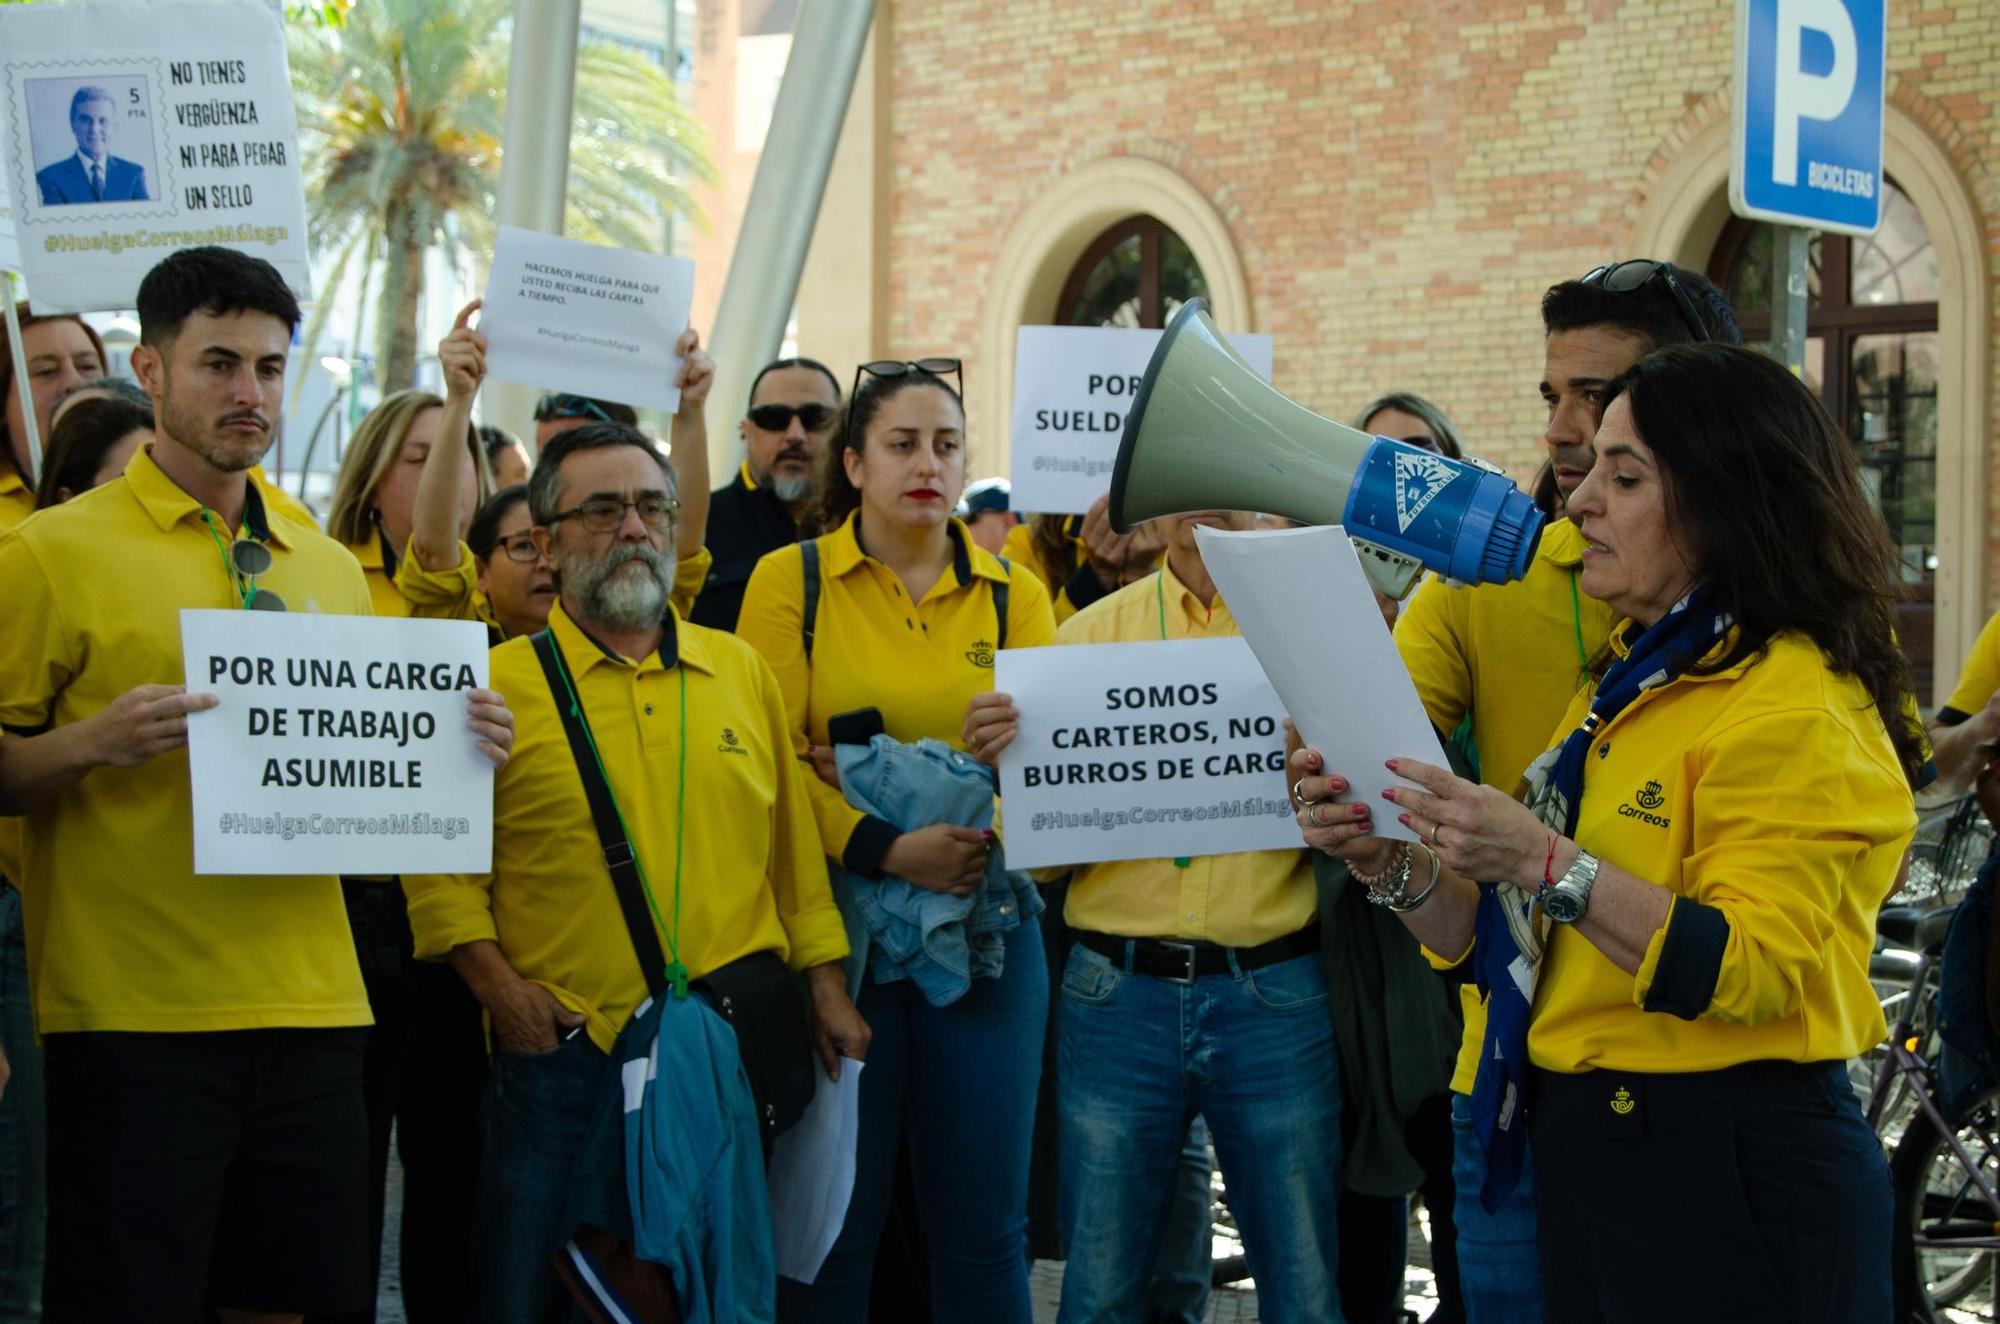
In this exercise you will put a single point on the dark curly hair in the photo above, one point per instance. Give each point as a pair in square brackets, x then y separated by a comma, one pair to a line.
[1766, 492]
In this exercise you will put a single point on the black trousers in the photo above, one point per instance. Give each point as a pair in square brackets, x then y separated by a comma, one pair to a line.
[1756, 1192]
[1374, 1229]
[423, 1073]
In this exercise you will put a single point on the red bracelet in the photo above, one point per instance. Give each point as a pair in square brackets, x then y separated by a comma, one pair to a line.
[1548, 865]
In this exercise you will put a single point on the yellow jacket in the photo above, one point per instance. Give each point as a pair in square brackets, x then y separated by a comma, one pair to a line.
[1768, 799]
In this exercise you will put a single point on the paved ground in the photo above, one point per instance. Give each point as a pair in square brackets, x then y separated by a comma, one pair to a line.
[1229, 1305]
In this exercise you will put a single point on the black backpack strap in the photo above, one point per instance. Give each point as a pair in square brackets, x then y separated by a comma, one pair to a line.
[809, 616]
[1000, 591]
[618, 854]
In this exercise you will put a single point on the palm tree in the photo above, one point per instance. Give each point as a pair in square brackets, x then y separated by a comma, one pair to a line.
[400, 113]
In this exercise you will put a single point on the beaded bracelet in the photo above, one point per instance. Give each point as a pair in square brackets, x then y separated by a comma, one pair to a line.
[1399, 862]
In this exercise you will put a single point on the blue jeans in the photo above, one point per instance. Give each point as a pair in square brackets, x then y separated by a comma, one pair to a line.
[23, 1131]
[1253, 1054]
[536, 1115]
[958, 1084]
[1185, 1274]
[1498, 1262]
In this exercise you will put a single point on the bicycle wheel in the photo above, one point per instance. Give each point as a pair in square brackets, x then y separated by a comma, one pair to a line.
[1938, 1206]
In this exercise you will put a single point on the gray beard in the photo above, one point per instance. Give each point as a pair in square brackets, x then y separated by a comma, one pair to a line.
[791, 487]
[618, 601]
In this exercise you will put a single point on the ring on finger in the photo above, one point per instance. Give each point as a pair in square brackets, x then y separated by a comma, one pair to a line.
[1312, 813]
[1298, 792]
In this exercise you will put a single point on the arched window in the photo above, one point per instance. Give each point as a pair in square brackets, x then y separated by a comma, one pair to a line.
[1136, 274]
[1872, 354]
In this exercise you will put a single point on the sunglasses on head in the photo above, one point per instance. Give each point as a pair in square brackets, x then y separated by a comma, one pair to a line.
[776, 418]
[1636, 274]
[887, 368]
[559, 405]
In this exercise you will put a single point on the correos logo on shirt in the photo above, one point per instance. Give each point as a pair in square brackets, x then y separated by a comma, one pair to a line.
[730, 744]
[1649, 798]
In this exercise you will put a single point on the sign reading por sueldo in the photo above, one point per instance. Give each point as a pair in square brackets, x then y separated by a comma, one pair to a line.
[1807, 146]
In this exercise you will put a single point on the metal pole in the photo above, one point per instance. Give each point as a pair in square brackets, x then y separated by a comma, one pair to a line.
[763, 280]
[22, 386]
[534, 154]
[1789, 251]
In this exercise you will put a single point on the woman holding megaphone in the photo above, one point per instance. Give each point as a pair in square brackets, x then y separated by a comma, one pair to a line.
[1673, 931]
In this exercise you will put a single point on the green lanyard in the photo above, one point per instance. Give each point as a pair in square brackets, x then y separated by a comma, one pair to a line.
[1576, 620]
[245, 585]
[677, 971]
[1160, 598]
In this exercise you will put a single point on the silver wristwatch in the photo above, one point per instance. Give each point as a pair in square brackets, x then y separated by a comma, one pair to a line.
[1566, 902]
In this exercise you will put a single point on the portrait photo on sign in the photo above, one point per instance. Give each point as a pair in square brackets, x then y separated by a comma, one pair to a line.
[91, 138]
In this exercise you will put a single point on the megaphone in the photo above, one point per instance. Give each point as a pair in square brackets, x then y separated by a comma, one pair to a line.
[1207, 433]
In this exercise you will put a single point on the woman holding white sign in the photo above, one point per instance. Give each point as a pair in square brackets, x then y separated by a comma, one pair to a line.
[1675, 936]
[889, 624]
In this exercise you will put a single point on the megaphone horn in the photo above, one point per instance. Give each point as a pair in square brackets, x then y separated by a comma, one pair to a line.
[1207, 433]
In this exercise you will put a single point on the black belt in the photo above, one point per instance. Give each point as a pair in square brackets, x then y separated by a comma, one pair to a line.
[1184, 962]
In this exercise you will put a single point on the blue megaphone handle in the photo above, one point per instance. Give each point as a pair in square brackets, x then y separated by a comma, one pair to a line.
[1466, 523]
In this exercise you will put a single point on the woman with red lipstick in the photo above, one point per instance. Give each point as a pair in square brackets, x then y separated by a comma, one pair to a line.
[905, 615]
[1673, 931]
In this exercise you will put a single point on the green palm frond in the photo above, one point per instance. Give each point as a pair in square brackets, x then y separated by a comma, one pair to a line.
[401, 108]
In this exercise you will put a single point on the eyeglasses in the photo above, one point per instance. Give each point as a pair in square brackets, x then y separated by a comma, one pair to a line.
[776, 418]
[606, 514]
[558, 405]
[1636, 274]
[902, 368]
[521, 547]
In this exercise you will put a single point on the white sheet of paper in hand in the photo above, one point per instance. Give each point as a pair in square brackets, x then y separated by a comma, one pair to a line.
[1301, 599]
[812, 1174]
[601, 322]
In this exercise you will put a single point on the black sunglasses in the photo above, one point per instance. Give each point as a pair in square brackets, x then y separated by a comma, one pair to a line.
[1636, 274]
[886, 368]
[252, 559]
[555, 405]
[776, 418]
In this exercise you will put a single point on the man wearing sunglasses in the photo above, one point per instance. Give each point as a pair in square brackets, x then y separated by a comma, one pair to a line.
[794, 408]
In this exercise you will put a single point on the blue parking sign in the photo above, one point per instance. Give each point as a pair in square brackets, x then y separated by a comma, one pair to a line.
[1807, 146]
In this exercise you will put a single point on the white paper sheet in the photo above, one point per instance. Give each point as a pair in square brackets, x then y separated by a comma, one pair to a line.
[812, 1174]
[1301, 599]
[564, 315]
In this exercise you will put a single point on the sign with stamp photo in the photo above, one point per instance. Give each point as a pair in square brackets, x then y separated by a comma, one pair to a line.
[130, 130]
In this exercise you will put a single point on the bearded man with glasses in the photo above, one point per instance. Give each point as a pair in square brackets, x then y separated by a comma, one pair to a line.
[794, 407]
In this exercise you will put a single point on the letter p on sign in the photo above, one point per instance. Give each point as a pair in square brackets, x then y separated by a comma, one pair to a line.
[1807, 143]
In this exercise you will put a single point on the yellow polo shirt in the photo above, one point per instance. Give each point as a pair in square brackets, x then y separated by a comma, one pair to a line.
[920, 663]
[121, 933]
[278, 499]
[1069, 594]
[17, 499]
[1980, 680]
[1235, 900]
[752, 878]
[1768, 794]
[1512, 656]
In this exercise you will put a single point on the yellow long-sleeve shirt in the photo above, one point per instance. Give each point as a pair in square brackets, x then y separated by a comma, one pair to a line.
[700, 724]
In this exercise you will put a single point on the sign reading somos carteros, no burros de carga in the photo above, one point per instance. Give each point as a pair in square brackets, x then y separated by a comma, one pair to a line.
[339, 745]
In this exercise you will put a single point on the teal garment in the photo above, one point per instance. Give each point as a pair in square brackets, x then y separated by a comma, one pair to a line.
[673, 1164]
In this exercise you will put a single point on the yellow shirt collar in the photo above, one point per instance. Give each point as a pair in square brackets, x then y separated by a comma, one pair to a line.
[682, 644]
[1562, 543]
[162, 498]
[841, 552]
[1627, 630]
[749, 479]
[1193, 612]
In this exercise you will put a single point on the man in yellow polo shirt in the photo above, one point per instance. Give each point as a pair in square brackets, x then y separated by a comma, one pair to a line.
[1511, 656]
[204, 1034]
[689, 728]
[1194, 988]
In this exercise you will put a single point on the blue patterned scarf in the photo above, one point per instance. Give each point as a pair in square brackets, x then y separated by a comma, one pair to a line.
[1508, 928]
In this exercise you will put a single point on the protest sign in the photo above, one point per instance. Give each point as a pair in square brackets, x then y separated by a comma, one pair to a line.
[569, 316]
[131, 130]
[10, 246]
[1073, 386]
[1330, 657]
[340, 744]
[1142, 751]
